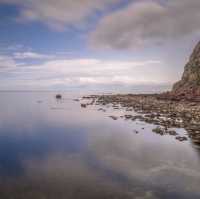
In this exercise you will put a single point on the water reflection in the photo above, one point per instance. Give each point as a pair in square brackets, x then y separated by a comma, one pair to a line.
[56, 149]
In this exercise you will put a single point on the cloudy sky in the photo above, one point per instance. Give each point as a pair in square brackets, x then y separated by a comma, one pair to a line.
[84, 44]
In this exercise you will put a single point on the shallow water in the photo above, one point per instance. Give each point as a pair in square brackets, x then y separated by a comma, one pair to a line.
[55, 149]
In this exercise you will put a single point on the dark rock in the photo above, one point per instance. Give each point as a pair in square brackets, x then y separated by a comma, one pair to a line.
[128, 116]
[171, 132]
[158, 130]
[181, 139]
[196, 141]
[58, 96]
[136, 132]
[113, 117]
[76, 100]
[83, 105]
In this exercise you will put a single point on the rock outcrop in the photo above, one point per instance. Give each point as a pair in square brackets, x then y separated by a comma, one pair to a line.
[189, 86]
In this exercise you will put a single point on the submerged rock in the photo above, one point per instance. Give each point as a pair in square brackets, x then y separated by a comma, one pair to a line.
[76, 100]
[128, 116]
[136, 132]
[113, 117]
[171, 132]
[101, 109]
[181, 139]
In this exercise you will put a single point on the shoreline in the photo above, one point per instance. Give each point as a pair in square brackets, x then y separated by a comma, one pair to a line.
[158, 109]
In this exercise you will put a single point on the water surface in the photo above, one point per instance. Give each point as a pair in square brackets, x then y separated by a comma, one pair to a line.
[55, 149]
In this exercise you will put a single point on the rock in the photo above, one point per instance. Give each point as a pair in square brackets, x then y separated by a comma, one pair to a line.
[181, 139]
[171, 132]
[113, 117]
[136, 132]
[159, 130]
[76, 100]
[196, 141]
[101, 109]
[58, 96]
[128, 116]
[92, 102]
[83, 105]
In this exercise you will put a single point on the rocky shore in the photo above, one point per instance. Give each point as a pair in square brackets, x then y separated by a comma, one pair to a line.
[164, 113]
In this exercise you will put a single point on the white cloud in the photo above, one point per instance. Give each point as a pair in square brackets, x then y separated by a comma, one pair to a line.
[6, 62]
[86, 72]
[147, 22]
[59, 13]
[31, 55]
[95, 70]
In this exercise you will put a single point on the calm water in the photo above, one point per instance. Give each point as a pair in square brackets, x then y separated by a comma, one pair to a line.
[58, 150]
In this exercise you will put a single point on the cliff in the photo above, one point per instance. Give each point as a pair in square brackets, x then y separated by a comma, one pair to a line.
[189, 86]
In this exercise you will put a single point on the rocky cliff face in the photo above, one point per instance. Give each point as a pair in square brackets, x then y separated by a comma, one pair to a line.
[189, 85]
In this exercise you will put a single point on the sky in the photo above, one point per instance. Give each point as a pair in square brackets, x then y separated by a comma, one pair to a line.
[96, 44]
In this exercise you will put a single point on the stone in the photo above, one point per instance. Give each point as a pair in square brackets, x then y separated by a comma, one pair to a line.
[171, 132]
[76, 100]
[113, 117]
[128, 116]
[181, 139]
[158, 130]
[83, 105]
[58, 96]
[136, 132]
[101, 109]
